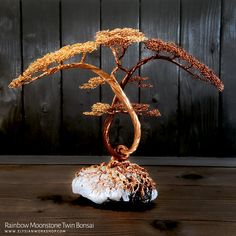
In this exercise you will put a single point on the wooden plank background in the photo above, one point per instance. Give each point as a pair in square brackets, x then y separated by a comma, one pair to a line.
[46, 117]
[40, 35]
[199, 103]
[80, 134]
[165, 18]
[10, 66]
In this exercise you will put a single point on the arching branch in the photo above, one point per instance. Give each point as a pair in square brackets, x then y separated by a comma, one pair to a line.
[175, 55]
[121, 152]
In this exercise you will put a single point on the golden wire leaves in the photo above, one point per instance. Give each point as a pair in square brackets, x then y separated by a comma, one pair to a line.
[206, 73]
[139, 108]
[140, 81]
[43, 63]
[119, 37]
[98, 109]
[93, 83]
[96, 81]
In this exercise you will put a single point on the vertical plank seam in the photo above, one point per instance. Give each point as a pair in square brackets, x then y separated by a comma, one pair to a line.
[100, 51]
[100, 150]
[139, 47]
[179, 81]
[220, 108]
[22, 67]
[61, 82]
[139, 57]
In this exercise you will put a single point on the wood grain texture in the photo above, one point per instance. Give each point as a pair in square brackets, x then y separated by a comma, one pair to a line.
[163, 175]
[81, 134]
[10, 67]
[160, 19]
[141, 160]
[186, 205]
[42, 98]
[193, 123]
[120, 14]
[228, 76]
[200, 36]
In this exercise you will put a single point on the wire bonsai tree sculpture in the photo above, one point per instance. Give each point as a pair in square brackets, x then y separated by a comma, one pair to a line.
[118, 180]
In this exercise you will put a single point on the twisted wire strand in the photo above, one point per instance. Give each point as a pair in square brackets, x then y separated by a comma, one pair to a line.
[121, 152]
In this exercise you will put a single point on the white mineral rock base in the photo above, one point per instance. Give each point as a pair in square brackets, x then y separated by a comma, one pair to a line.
[115, 181]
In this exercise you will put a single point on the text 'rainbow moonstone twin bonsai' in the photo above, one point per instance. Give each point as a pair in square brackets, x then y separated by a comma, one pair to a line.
[118, 180]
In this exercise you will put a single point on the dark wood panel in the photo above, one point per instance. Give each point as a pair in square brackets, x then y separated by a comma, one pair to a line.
[228, 77]
[168, 192]
[163, 175]
[120, 14]
[42, 98]
[184, 207]
[10, 67]
[160, 19]
[200, 35]
[81, 134]
[141, 160]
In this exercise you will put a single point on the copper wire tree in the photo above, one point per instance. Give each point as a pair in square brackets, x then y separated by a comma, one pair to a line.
[119, 40]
